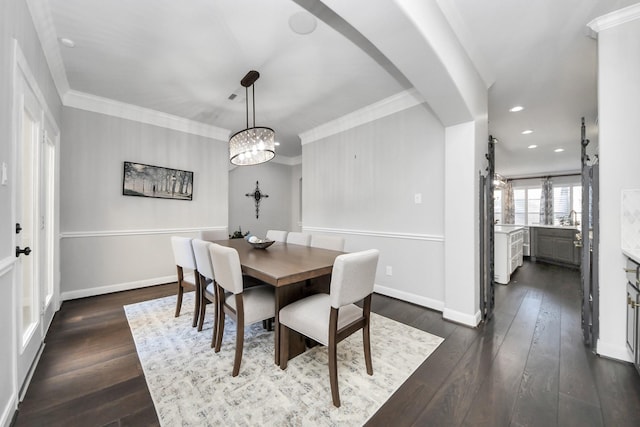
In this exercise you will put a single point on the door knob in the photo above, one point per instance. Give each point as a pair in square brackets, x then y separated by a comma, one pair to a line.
[25, 251]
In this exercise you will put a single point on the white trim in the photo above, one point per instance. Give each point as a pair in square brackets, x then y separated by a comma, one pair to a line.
[391, 105]
[385, 234]
[618, 352]
[6, 264]
[43, 23]
[112, 233]
[110, 107]
[462, 318]
[9, 410]
[116, 287]
[615, 18]
[409, 297]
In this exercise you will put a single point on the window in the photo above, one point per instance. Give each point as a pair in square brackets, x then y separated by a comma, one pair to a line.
[567, 204]
[526, 201]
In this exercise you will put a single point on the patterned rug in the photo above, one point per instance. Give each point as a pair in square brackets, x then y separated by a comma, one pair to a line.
[191, 385]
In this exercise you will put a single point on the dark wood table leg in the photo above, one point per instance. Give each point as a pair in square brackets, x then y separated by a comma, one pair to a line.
[286, 295]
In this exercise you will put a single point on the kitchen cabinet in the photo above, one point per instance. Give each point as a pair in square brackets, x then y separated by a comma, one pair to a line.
[507, 252]
[555, 245]
[633, 312]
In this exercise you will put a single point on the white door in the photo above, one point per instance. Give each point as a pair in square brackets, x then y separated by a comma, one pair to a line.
[34, 239]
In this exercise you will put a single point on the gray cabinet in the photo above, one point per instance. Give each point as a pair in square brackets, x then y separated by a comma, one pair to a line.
[555, 245]
[633, 312]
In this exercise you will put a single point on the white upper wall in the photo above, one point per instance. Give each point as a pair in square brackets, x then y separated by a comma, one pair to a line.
[618, 110]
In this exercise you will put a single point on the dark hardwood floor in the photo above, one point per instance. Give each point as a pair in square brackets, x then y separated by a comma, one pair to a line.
[526, 367]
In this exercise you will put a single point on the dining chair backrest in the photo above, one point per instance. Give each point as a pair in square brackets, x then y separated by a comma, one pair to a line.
[203, 258]
[277, 235]
[297, 238]
[183, 252]
[334, 243]
[212, 235]
[226, 264]
[353, 277]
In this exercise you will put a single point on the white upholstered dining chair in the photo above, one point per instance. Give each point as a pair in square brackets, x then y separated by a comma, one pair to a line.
[334, 243]
[277, 235]
[185, 260]
[245, 305]
[297, 238]
[328, 319]
[207, 288]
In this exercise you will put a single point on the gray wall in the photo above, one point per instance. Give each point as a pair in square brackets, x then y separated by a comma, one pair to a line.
[275, 211]
[15, 22]
[110, 241]
[362, 183]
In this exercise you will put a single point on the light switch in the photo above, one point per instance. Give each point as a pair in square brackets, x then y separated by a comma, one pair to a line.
[417, 198]
[4, 178]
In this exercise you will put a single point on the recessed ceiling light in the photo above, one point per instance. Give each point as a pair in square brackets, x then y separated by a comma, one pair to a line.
[559, 150]
[277, 143]
[533, 146]
[527, 132]
[303, 22]
[516, 108]
[67, 42]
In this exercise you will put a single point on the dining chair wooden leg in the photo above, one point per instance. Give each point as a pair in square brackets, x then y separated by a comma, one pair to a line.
[239, 344]
[366, 339]
[284, 346]
[217, 336]
[196, 309]
[179, 300]
[333, 372]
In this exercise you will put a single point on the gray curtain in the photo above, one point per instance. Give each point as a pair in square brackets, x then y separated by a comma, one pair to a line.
[509, 206]
[546, 202]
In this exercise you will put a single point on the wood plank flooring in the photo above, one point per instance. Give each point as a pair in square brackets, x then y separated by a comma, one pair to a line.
[527, 367]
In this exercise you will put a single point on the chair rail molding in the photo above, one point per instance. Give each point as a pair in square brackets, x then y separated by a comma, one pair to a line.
[370, 233]
[141, 232]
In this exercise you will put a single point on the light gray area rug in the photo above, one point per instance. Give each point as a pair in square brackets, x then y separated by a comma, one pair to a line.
[191, 385]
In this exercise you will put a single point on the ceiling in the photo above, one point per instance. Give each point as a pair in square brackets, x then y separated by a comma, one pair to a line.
[186, 59]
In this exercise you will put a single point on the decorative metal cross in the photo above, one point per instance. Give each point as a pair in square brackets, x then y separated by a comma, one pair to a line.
[257, 196]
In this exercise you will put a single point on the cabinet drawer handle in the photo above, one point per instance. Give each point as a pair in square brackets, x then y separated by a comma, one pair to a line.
[629, 270]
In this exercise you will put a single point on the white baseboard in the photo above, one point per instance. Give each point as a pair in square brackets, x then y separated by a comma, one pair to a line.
[9, 410]
[409, 297]
[462, 318]
[613, 351]
[101, 290]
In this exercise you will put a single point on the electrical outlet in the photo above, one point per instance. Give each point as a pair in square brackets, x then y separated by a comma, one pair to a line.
[389, 270]
[417, 198]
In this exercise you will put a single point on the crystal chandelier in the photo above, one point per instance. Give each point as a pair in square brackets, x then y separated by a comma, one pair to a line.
[253, 145]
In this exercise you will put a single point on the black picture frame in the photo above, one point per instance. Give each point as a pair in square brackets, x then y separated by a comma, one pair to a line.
[158, 182]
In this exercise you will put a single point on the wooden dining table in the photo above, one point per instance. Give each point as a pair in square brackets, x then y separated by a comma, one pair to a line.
[288, 268]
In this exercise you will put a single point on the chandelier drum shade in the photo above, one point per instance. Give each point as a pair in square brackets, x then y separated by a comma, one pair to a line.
[253, 145]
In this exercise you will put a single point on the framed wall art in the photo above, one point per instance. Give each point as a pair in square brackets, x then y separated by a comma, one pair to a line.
[156, 181]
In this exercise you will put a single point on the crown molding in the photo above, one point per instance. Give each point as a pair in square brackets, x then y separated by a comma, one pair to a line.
[43, 23]
[615, 18]
[110, 107]
[393, 104]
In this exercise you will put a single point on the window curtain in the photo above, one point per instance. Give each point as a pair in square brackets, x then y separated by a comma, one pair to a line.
[509, 205]
[546, 202]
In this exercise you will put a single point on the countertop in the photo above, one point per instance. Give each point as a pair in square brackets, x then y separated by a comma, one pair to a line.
[634, 254]
[507, 228]
[569, 227]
